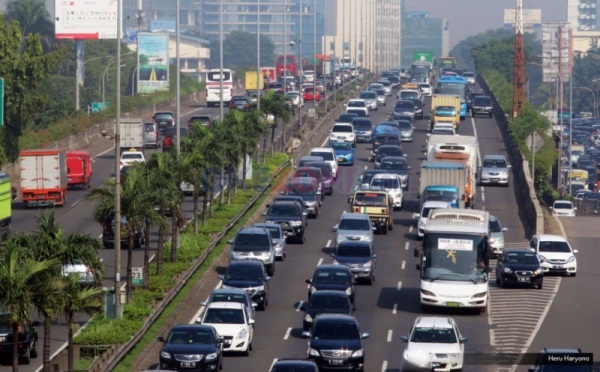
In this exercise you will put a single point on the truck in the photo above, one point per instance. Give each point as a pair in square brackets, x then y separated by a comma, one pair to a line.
[79, 169]
[458, 149]
[44, 177]
[422, 56]
[269, 73]
[7, 195]
[443, 181]
[440, 112]
[447, 62]
[308, 65]
[251, 82]
[133, 135]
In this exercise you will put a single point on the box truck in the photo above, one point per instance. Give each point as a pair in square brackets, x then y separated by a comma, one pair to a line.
[79, 169]
[133, 134]
[251, 83]
[442, 112]
[443, 181]
[43, 177]
[7, 195]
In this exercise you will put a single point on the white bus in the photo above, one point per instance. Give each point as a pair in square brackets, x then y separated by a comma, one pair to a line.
[213, 89]
[454, 259]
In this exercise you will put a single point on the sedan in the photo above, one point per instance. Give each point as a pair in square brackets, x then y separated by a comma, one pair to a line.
[85, 273]
[344, 152]
[323, 302]
[310, 96]
[192, 348]
[332, 277]
[496, 239]
[396, 165]
[359, 257]
[297, 99]
[519, 267]
[231, 295]
[130, 157]
[494, 170]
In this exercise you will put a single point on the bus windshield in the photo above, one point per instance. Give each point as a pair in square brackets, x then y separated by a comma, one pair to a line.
[216, 76]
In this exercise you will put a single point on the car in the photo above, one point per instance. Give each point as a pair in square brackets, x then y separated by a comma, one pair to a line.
[307, 159]
[469, 77]
[78, 267]
[335, 341]
[519, 267]
[230, 295]
[418, 108]
[309, 96]
[123, 171]
[278, 236]
[254, 94]
[28, 340]
[304, 86]
[239, 103]
[191, 347]
[428, 206]
[438, 336]
[275, 86]
[312, 173]
[370, 98]
[363, 129]
[345, 118]
[354, 227]
[542, 365]
[359, 112]
[359, 257]
[297, 98]
[325, 302]
[496, 239]
[164, 119]
[233, 323]
[333, 277]
[293, 198]
[108, 234]
[151, 135]
[398, 166]
[294, 365]
[130, 157]
[406, 129]
[381, 97]
[563, 208]
[494, 170]
[291, 216]
[328, 154]
[375, 86]
[309, 190]
[443, 129]
[471, 96]
[391, 183]
[387, 86]
[406, 94]
[309, 75]
[482, 105]
[250, 275]
[204, 120]
[555, 254]
[357, 104]
[387, 150]
[253, 243]
[365, 178]
[326, 172]
[426, 89]
[392, 138]
[406, 107]
[344, 152]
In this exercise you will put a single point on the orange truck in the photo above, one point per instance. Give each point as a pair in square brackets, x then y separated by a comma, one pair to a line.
[44, 177]
[79, 169]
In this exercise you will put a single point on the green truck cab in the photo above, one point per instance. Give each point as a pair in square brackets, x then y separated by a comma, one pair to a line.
[7, 195]
[375, 202]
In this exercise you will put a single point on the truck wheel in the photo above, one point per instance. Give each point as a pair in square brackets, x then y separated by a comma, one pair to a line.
[391, 226]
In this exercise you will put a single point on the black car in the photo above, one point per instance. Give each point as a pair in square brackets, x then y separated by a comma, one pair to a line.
[359, 257]
[346, 118]
[322, 302]
[164, 119]
[332, 277]
[365, 178]
[192, 347]
[290, 216]
[28, 340]
[405, 107]
[297, 199]
[308, 189]
[250, 275]
[387, 150]
[294, 365]
[471, 96]
[108, 235]
[418, 107]
[359, 113]
[384, 139]
[123, 171]
[335, 342]
[482, 105]
[239, 103]
[396, 165]
[202, 119]
[519, 267]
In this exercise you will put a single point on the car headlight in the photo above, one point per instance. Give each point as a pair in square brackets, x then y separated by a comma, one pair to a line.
[368, 264]
[541, 258]
[571, 259]
[367, 237]
[340, 236]
[270, 222]
[164, 354]
[312, 289]
[349, 291]
[278, 245]
[453, 355]
[499, 241]
[479, 295]
[421, 225]
[296, 223]
[242, 334]
[223, 286]
[211, 356]
[507, 270]
[259, 288]
[313, 352]
[484, 173]
[427, 293]
[358, 353]
[335, 262]
[308, 318]
[537, 272]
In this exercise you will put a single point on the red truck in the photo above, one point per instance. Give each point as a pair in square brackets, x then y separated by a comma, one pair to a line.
[44, 177]
[269, 74]
[79, 169]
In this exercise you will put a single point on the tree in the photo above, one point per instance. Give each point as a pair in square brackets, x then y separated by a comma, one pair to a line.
[24, 67]
[239, 51]
[253, 128]
[275, 104]
[33, 17]
[229, 134]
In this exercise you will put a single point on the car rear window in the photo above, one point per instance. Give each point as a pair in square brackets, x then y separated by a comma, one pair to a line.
[164, 116]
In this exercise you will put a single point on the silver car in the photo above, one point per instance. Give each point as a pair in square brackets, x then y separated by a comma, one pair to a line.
[253, 243]
[231, 295]
[151, 134]
[387, 86]
[76, 266]
[496, 236]
[353, 227]
[279, 239]
[494, 170]
[370, 98]
[406, 130]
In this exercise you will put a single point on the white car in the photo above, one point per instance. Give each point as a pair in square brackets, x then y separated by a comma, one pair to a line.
[424, 215]
[328, 155]
[443, 128]
[436, 340]
[232, 322]
[297, 98]
[555, 254]
[357, 104]
[469, 77]
[375, 86]
[309, 75]
[426, 89]
[496, 238]
[393, 185]
[75, 266]
[129, 157]
[342, 132]
[563, 208]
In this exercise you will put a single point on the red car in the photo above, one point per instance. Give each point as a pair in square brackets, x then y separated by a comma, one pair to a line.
[309, 95]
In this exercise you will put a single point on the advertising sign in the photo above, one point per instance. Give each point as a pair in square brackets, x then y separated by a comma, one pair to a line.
[556, 52]
[86, 19]
[153, 62]
[455, 244]
[530, 16]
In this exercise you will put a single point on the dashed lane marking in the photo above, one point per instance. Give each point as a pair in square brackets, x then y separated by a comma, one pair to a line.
[399, 286]
[403, 264]
[366, 166]
[320, 262]
[395, 309]
[389, 336]
[410, 229]
[406, 246]
[287, 333]
[300, 306]
[384, 366]
[328, 243]
[74, 204]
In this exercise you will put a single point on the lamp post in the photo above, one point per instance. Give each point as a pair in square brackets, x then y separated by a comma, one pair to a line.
[104, 74]
[77, 83]
[315, 57]
[299, 41]
[117, 192]
[257, 56]
[178, 92]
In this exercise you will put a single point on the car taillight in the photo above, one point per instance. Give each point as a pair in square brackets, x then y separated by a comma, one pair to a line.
[246, 105]
[155, 134]
[208, 123]
[154, 121]
[232, 106]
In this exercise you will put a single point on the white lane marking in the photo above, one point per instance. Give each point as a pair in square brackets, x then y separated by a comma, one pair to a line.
[151, 258]
[355, 188]
[324, 142]
[320, 262]
[410, 229]
[196, 317]
[74, 204]
[475, 135]
[406, 246]
[300, 306]
[389, 337]
[403, 264]
[102, 153]
[366, 167]
[100, 236]
[399, 286]
[272, 364]
[189, 112]
[483, 194]
[395, 309]
[384, 366]
[562, 229]
[492, 338]
[287, 333]
[328, 243]
[344, 212]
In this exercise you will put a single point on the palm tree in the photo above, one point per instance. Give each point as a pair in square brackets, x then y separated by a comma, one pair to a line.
[275, 104]
[229, 133]
[33, 18]
[190, 144]
[47, 302]
[18, 287]
[77, 299]
[252, 128]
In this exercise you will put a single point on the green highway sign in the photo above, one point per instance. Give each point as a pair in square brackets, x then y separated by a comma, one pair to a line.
[137, 275]
[1, 102]
[99, 106]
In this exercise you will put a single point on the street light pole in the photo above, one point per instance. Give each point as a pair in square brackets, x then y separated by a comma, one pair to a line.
[257, 56]
[178, 93]
[315, 57]
[300, 39]
[117, 192]
[77, 82]
[284, 72]
[221, 111]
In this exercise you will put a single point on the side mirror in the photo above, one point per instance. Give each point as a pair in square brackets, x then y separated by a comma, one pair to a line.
[254, 304]
[510, 166]
[295, 167]
[268, 278]
[374, 256]
[575, 251]
[550, 208]
[305, 213]
[463, 340]
[220, 340]
[306, 334]
[505, 229]
[161, 339]
[417, 215]
[220, 277]
[417, 252]
[334, 228]
[267, 205]
[203, 303]
[250, 321]
[404, 155]
[35, 324]
[329, 130]
[332, 254]
[409, 168]
[404, 338]
[308, 281]
[231, 241]
[366, 335]
[353, 308]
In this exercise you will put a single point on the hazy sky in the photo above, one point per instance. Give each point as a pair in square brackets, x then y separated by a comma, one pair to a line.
[469, 17]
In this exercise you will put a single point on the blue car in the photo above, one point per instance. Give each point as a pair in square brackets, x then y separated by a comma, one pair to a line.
[344, 152]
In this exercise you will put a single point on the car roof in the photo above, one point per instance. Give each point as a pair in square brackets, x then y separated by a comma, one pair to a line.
[230, 290]
[495, 157]
[252, 230]
[245, 262]
[226, 305]
[436, 204]
[355, 216]
[564, 201]
[324, 149]
[331, 267]
[434, 322]
[273, 225]
[164, 112]
[394, 158]
[338, 318]
[329, 292]
[385, 176]
[551, 238]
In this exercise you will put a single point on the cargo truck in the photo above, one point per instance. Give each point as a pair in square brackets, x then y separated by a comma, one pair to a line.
[133, 135]
[448, 62]
[43, 177]
[308, 65]
[251, 83]
[79, 169]
[441, 112]
[443, 181]
[458, 149]
[7, 195]
[269, 73]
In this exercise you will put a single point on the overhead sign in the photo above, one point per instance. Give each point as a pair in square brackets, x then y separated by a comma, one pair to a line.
[530, 16]
[137, 275]
[86, 19]
[455, 244]
[153, 62]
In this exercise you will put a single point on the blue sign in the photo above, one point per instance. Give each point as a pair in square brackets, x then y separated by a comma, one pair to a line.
[99, 106]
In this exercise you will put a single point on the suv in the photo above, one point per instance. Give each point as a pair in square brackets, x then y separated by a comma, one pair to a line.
[336, 342]
[308, 190]
[253, 243]
[494, 170]
[370, 98]
[28, 340]
[322, 302]
[233, 323]
[290, 216]
[230, 295]
[440, 337]
[563, 208]
[328, 156]
[202, 119]
[164, 119]
[424, 215]
[357, 104]
[151, 134]
[342, 132]
[359, 257]
[251, 276]
[391, 183]
[182, 339]
[294, 365]
[555, 253]
[278, 236]
[482, 105]
[353, 227]
[363, 129]
[541, 366]
[239, 103]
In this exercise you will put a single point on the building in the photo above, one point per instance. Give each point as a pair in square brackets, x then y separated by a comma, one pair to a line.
[583, 16]
[421, 33]
[532, 20]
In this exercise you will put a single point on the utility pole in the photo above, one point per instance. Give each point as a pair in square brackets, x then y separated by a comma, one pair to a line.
[79, 73]
[343, 65]
[315, 58]
[257, 57]
[221, 112]
[519, 64]
[300, 40]
[117, 192]
[178, 100]
[285, 80]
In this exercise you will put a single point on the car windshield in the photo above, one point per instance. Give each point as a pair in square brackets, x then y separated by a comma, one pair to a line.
[494, 163]
[441, 195]
[301, 189]
[406, 95]
[563, 206]
[405, 105]
[442, 131]
[370, 199]
[132, 156]
[386, 183]
[224, 316]
[335, 331]
[183, 337]
[332, 277]
[445, 111]
[244, 272]
[393, 165]
[354, 224]
[356, 104]
[329, 303]
[293, 95]
[251, 240]
[324, 167]
[454, 257]
[483, 101]
[368, 95]
[283, 210]
[521, 258]
[341, 146]
[362, 124]
[380, 92]
[229, 297]
[149, 128]
[345, 118]
[434, 335]
[275, 232]
[389, 151]
[405, 125]
[554, 247]
[163, 117]
[239, 102]
[495, 226]
[325, 155]
[379, 140]
[342, 129]
[353, 250]
[426, 211]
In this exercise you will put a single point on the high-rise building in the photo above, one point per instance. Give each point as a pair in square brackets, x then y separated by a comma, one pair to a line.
[421, 33]
[583, 18]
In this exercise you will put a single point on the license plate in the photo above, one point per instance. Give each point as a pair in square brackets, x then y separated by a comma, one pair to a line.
[188, 364]
[290, 234]
[70, 179]
[453, 304]
[493, 180]
[524, 280]
[336, 362]
[558, 267]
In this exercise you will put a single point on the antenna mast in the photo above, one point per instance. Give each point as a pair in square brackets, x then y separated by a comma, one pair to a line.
[519, 63]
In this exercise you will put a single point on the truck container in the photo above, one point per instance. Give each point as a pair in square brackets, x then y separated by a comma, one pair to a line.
[422, 56]
[458, 149]
[79, 169]
[448, 62]
[133, 135]
[439, 116]
[328, 65]
[251, 83]
[7, 195]
[43, 177]
[443, 176]
[269, 73]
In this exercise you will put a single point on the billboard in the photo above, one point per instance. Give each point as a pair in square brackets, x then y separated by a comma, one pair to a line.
[530, 16]
[153, 62]
[556, 51]
[85, 19]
